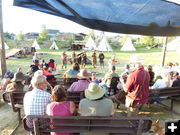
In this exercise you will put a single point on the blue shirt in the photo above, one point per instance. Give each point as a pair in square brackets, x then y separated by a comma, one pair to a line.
[35, 102]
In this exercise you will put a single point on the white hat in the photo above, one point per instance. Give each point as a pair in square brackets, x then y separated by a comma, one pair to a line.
[83, 74]
[135, 59]
[94, 91]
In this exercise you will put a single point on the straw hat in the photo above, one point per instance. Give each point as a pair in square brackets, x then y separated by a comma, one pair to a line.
[135, 59]
[94, 91]
[84, 74]
[18, 77]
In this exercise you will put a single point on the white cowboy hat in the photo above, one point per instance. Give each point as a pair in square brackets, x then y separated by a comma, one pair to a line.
[94, 91]
[135, 59]
[84, 74]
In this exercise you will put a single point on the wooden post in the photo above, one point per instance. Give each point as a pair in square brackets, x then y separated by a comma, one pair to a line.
[164, 48]
[2, 48]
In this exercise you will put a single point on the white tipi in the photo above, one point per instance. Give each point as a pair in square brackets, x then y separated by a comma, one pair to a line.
[6, 46]
[36, 45]
[128, 46]
[173, 45]
[54, 46]
[90, 44]
[104, 45]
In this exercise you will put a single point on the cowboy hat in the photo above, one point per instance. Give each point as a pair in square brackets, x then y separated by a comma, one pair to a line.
[94, 91]
[18, 77]
[84, 74]
[135, 59]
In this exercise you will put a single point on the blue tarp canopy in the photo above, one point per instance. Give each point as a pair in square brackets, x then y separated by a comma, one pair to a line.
[144, 17]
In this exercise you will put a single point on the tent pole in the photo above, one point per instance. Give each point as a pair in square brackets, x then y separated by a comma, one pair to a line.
[165, 47]
[2, 49]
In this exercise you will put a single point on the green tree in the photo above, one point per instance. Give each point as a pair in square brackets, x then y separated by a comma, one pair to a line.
[147, 41]
[20, 36]
[43, 33]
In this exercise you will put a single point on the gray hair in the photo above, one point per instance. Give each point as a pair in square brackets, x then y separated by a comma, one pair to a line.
[36, 80]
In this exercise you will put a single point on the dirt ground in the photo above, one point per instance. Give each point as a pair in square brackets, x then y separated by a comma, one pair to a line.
[9, 119]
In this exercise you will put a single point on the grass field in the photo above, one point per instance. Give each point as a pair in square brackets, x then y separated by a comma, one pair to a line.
[151, 57]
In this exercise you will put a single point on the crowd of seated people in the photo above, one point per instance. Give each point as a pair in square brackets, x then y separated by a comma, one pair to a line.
[39, 101]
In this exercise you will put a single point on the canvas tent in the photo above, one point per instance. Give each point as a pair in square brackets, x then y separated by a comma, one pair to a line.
[173, 45]
[128, 46]
[90, 44]
[104, 45]
[6, 46]
[36, 45]
[54, 46]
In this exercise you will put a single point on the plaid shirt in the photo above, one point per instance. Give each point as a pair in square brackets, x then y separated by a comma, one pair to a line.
[35, 102]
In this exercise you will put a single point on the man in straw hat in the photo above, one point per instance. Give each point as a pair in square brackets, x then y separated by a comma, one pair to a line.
[137, 87]
[83, 82]
[95, 104]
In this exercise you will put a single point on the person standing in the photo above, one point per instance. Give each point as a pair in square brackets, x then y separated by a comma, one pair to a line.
[136, 86]
[64, 60]
[94, 59]
[101, 59]
[74, 59]
[83, 60]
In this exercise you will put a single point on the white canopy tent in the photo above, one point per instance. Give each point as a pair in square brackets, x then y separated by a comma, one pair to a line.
[90, 44]
[104, 45]
[128, 46]
[36, 45]
[54, 46]
[6, 46]
[173, 45]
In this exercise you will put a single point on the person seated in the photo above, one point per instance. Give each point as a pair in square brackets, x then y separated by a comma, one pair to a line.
[17, 82]
[95, 79]
[151, 74]
[6, 80]
[95, 103]
[59, 106]
[126, 69]
[72, 73]
[52, 65]
[82, 83]
[176, 80]
[36, 57]
[36, 101]
[50, 76]
[165, 82]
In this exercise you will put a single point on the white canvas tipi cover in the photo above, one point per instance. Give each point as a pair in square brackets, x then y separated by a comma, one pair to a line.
[54, 46]
[90, 44]
[128, 46]
[104, 45]
[5, 46]
[174, 45]
[36, 45]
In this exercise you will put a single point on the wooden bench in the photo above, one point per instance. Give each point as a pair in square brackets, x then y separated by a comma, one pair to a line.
[172, 93]
[88, 124]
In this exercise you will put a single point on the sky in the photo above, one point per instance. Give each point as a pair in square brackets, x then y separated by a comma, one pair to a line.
[17, 19]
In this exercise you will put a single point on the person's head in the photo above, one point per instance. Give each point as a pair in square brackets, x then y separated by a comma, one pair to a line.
[94, 91]
[149, 68]
[19, 77]
[127, 66]
[93, 77]
[76, 66]
[46, 66]
[113, 68]
[135, 62]
[58, 94]
[36, 62]
[9, 74]
[84, 74]
[51, 60]
[169, 64]
[39, 82]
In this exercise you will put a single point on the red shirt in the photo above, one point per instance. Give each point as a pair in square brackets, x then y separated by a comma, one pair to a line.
[46, 73]
[52, 65]
[134, 81]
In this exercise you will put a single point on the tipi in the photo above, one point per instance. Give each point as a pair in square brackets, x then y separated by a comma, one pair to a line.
[104, 45]
[128, 46]
[174, 45]
[6, 46]
[36, 45]
[54, 46]
[90, 44]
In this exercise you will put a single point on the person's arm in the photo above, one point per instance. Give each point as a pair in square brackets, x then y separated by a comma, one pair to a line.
[128, 84]
[73, 108]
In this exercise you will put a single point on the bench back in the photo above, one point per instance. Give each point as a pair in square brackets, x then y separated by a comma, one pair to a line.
[172, 91]
[89, 124]
[75, 96]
